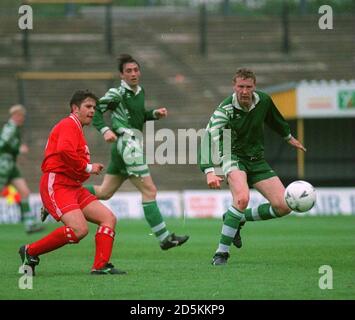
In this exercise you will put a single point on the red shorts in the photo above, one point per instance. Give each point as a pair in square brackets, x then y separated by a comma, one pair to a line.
[60, 195]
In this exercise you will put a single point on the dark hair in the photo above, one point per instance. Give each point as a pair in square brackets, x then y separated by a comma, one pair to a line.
[125, 58]
[244, 73]
[80, 95]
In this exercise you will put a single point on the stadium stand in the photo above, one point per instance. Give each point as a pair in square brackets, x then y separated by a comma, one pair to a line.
[174, 74]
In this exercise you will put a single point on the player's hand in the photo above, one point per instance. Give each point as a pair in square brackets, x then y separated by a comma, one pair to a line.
[161, 113]
[24, 148]
[96, 168]
[295, 143]
[110, 136]
[214, 181]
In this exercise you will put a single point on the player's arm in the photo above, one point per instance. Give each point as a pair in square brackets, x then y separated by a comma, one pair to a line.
[94, 168]
[120, 124]
[276, 122]
[100, 125]
[155, 114]
[296, 144]
[110, 101]
[210, 147]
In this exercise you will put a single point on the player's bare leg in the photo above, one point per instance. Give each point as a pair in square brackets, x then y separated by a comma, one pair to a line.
[230, 233]
[240, 191]
[21, 186]
[146, 187]
[30, 222]
[152, 213]
[109, 186]
[99, 214]
[273, 190]
[238, 186]
[75, 220]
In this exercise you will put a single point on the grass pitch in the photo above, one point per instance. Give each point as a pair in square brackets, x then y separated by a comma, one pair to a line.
[280, 259]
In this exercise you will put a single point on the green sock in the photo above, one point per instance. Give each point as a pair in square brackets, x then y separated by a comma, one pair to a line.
[262, 212]
[155, 220]
[229, 229]
[27, 217]
[90, 188]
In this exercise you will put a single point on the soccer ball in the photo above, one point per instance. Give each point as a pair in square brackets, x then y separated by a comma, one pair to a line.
[300, 196]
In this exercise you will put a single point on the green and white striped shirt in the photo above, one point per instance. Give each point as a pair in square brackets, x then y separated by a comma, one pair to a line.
[10, 139]
[126, 107]
[246, 128]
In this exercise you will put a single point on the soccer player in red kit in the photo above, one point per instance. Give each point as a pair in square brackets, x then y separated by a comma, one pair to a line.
[65, 167]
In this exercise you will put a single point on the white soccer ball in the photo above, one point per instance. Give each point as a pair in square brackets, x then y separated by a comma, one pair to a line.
[300, 196]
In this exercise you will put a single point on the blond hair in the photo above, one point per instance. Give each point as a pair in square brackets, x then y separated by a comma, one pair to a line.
[244, 73]
[17, 108]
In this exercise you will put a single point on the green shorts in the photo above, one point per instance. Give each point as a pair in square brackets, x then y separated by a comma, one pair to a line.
[127, 158]
[257, 169]
[8, 170]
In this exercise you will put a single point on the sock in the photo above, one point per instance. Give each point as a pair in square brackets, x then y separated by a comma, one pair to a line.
[56, 239]
[26, 214]
[155, 220]
[104, 242]
[90, 188]
[262, 212]
[229, 229]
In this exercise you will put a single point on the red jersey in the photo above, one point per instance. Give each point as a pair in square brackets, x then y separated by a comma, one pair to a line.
[67, 152]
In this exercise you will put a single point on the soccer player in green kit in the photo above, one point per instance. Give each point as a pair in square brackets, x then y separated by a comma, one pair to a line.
[128, 115]
[10, 147]
[245, 113]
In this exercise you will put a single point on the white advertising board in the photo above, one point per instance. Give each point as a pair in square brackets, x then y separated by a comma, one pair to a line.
[195, 204]
[330, 201]
[325, 99]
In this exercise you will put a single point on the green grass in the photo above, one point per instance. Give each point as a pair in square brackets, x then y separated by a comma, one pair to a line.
[280, 259]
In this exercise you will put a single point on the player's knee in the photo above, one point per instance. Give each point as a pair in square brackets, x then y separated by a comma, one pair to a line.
[150, 192]
[24, 193]
[108, 219]
[242, 203]
[81, 232]
[106, 195]
[111, 220]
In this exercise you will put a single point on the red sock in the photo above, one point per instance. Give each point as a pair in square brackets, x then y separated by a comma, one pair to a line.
[104, 242]
[56, 239]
